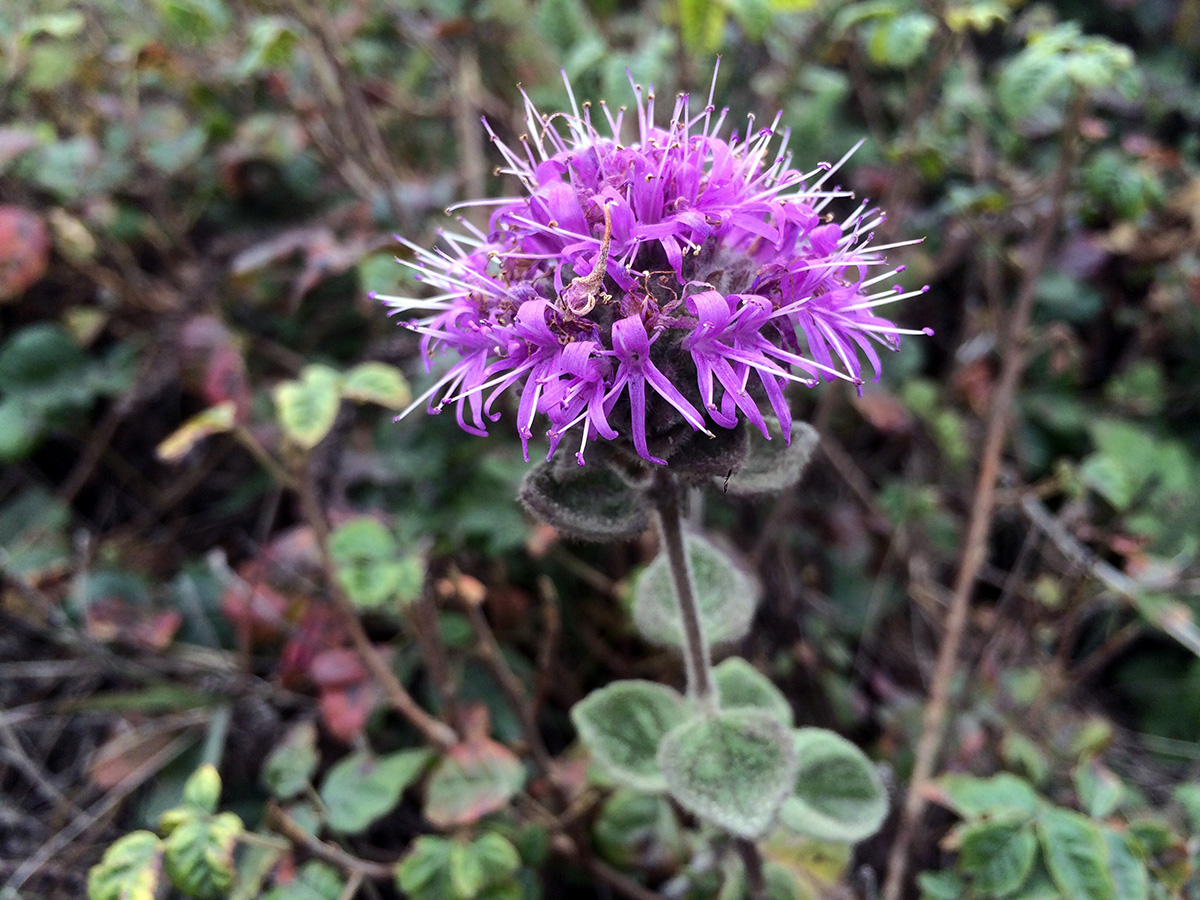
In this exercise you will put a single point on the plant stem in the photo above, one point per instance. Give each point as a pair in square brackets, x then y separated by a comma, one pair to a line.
[933, 719]
[752, 863]
[433, 730]
[670, 534]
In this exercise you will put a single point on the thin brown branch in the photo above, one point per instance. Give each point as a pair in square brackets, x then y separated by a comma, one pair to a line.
[281, 823]
[1174, 619]
[934, 718]
[551, 630]
[434, 730]
[514, 692]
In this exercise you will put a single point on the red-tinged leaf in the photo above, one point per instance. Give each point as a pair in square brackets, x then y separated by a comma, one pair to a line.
[254, 606]
[975, 382]
[337, 668]
[24, 250]
[225, 380]
[213, 365]
[477, 777]
[319, 630]
[157, 631]
[293, 552]
[111, 619]
[345, 710]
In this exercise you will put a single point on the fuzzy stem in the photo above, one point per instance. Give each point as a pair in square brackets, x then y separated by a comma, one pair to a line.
[670, 534]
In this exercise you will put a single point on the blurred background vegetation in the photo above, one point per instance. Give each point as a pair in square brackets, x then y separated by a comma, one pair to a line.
[197, 196]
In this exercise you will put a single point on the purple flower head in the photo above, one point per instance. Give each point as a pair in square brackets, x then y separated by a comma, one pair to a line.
[632, 290]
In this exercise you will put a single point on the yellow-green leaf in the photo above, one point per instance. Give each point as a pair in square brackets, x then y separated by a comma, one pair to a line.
[308, 406]
[130, 869]
[376, 382]
[214, 420]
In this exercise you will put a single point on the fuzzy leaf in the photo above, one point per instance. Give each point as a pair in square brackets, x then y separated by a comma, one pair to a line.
[1076, 855]
[998, 856]
[634, 827]
[623, 724]
[362, 787]
[289, 767]
[741, 686]
[129, 870]
[732, 768]
[838, 795]
[587, 502]
[308, 406]
[376, 382]
[473, 779]
[199, 855]
[725, 594]
[773, 466]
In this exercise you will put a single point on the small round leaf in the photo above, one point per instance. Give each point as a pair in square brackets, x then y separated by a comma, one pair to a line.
[623, 724]
[725, 594]
[1076, 855]
[741, 686]
[202, 790]
[314, 881]
[199, 855]
[590, 502]
[290, 765]
[473, 779]
[838, 795]
[772, 466]
[732, 768]
[376, 382]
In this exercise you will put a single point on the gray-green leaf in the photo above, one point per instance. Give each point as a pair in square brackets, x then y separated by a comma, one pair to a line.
[725, 594]
[741, 686]
[838, 794]
[623, 724]
[772, 465]
[732, 768]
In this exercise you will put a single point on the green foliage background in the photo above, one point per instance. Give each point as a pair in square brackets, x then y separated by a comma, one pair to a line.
[198, 196]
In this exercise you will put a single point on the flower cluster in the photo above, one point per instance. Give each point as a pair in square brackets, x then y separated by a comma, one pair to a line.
[682, 278]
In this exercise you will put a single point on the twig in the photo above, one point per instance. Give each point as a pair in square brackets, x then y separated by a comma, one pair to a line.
[435, 731]
[82, 823]
[670, 532]
[1173, 619]
[514, 692]
[551, 630]
[423, 615]
[281, 823]
[468, 130]
[934, 718]
[752, 864]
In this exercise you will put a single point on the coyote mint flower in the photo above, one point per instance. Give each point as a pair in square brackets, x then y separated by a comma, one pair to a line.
[634, 290]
